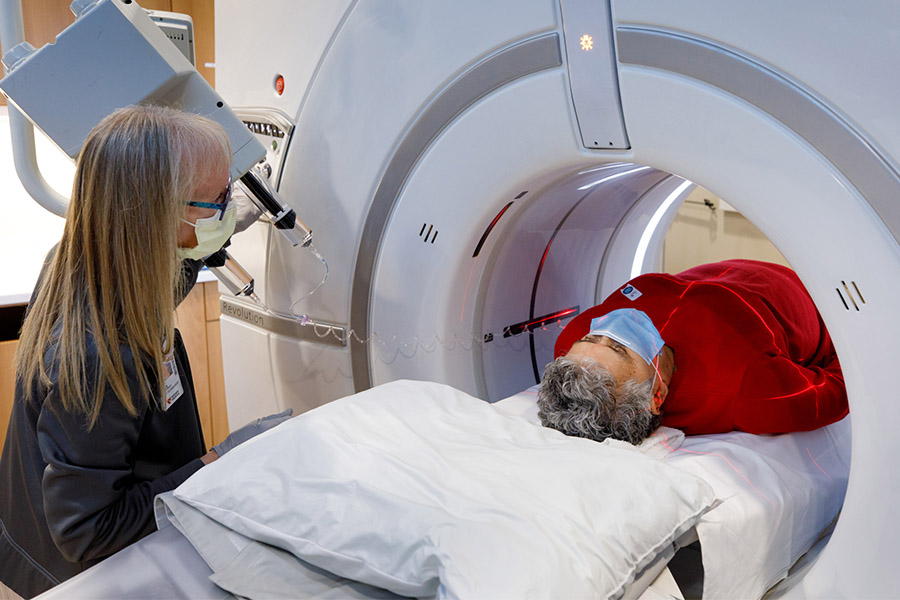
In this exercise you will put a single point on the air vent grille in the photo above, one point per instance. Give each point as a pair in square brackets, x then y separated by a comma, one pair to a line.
[850, 292]
[428, 231]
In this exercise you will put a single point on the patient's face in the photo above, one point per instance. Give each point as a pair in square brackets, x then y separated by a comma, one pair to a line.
[623, 363]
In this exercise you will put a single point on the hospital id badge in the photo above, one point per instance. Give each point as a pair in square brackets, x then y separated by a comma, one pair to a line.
[174, 389]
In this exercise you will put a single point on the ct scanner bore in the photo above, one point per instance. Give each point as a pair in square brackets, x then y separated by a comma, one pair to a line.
[569, 246]
[458, 127]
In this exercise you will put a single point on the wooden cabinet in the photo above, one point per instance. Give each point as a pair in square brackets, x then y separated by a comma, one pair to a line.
[198, 321]
[218, 418]
[44, 19]
[7, 384]
[202, 12]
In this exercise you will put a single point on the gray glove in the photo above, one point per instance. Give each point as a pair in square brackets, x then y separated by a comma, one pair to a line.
[247, 212]
[252, 429]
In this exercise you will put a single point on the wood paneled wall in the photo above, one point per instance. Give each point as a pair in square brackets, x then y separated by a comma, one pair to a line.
[7, 384]
[203, 14]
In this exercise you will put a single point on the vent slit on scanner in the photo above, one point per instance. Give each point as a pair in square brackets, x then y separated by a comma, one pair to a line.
[858, 293]
[427, 234]
[850, 295]
[841, 296]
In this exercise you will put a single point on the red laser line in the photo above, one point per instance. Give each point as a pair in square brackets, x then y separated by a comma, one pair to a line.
[817, 464]
[677, 306]
[735, 469]
[753, 310]
[801, 370]
[811, 386]
[688, 286]
[722, 274]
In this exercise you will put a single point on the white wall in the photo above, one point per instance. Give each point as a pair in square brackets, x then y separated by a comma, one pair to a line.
[27, 231]
[700, 235]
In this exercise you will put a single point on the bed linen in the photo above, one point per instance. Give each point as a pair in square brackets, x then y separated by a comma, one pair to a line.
[246, 568]
[425, 491]
[778, 492]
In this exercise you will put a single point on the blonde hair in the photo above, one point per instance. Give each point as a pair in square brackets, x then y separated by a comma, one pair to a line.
[113, 280]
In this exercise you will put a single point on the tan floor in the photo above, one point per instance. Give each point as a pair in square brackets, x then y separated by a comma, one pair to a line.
[8, 594]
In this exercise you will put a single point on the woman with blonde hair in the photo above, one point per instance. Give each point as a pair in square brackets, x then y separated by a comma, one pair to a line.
[104, 417]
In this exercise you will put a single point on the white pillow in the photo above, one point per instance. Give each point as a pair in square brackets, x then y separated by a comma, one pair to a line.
[421, 489]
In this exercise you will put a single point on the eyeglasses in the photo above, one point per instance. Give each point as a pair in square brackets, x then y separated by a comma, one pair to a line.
[219, 206]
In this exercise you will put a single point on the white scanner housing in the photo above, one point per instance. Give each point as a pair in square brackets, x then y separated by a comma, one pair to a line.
[426, 130]
[114, 55]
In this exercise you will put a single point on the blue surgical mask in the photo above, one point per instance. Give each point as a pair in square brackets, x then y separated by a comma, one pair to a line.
[633, 329]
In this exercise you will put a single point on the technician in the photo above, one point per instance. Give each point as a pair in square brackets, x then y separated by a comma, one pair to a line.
[104, 416]
[745, 349]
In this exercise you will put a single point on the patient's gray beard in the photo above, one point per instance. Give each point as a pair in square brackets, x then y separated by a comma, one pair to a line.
[578, 398]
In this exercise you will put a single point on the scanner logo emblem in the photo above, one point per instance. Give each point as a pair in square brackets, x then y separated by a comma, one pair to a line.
[631, 292]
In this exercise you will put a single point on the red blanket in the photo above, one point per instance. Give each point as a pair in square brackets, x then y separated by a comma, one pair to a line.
[751, 351]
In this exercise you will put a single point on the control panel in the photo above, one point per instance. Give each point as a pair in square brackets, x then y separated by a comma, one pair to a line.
[274, 129]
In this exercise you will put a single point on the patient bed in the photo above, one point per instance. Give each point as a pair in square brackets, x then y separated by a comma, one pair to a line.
[755, 503]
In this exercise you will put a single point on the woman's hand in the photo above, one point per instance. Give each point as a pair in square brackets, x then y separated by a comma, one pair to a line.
[209, 457]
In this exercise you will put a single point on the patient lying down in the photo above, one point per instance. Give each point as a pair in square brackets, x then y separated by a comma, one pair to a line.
[745, 349]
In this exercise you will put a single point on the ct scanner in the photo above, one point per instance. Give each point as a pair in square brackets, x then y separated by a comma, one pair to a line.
[547, 174]
[476, 172]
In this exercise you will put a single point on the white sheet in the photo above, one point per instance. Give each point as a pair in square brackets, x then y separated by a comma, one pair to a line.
[421, 489]
[779, 493]
[247, 568]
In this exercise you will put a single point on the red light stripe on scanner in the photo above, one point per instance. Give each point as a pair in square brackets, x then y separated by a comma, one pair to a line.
[477, 251]
[533, 324]
[487, 231]
[462, 309]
